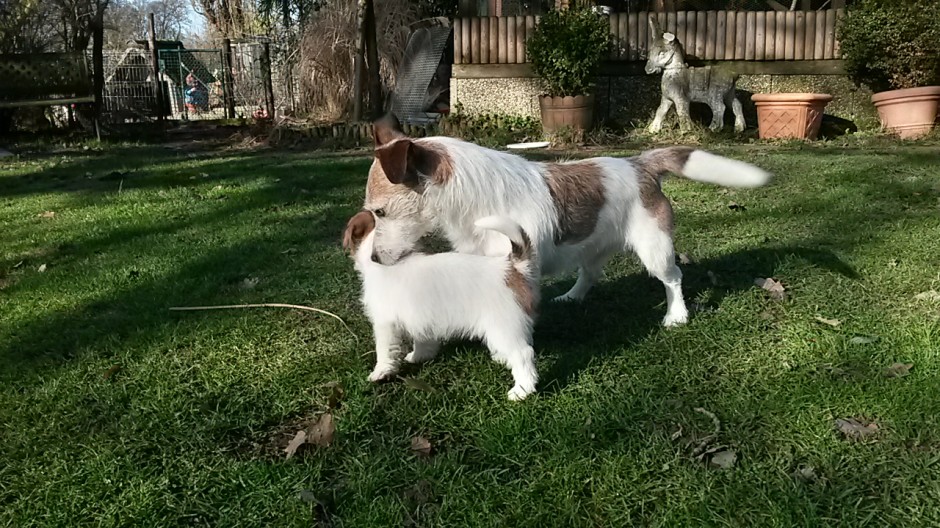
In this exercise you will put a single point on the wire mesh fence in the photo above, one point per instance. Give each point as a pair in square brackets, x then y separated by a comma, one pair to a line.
[129, 91]
[194, 83]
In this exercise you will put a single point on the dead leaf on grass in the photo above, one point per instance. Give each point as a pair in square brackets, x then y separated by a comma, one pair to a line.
[854, 429]
[724, 459]
[417, 384]
[676, 435]
[684, 259]
[930, 295]
[321, 433]
[805, 474]
[47, 214]
[249, 283]
[897, 370]
[299, 439]
[111, 371]
[831, 322]
[863, 340]
[41, 268]
[421, 446]
[337, 392]
[774, 288]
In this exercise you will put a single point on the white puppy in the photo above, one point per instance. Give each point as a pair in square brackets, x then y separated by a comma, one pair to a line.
[429, 298]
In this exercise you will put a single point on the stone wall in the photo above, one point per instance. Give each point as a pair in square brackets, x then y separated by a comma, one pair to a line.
[630, 101]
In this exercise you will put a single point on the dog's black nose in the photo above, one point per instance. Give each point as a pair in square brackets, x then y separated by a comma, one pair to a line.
[375, 258]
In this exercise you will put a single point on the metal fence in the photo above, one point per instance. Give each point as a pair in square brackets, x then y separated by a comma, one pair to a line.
[129, 91]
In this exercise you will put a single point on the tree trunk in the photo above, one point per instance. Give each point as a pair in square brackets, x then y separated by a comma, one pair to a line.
[375, 81]
[359, 64]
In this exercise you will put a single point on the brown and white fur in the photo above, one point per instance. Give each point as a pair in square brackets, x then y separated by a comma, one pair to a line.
[429, 298]
[578, 214]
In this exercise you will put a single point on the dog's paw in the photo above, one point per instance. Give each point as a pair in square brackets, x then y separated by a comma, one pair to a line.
[382, 372]
[677, 319]
[519, 393]
[565, 298]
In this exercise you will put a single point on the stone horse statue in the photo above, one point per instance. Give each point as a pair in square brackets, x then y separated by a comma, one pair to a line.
[712, 85]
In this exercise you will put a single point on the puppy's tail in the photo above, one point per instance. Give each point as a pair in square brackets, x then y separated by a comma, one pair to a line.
[521, 245]
[701, 166]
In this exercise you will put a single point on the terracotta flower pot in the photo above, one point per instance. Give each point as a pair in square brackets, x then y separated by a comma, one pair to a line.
[909, 113]
[790, 115]
[576, 112]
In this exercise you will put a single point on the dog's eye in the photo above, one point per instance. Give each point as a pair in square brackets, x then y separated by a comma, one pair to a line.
[379, 212]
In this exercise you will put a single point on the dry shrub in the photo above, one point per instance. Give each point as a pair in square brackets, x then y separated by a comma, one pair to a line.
[328, 52]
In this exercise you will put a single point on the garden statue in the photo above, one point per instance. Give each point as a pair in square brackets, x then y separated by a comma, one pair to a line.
[712, 85]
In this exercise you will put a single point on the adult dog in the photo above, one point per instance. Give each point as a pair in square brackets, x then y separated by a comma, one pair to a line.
[577, 214]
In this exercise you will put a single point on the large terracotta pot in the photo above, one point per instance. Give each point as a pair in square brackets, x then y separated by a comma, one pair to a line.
[909, 113]
[576, 112]
[790, 115]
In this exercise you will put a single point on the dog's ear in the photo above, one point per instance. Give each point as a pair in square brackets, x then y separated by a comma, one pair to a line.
[360, 225]
[404, 161]
[386, 129]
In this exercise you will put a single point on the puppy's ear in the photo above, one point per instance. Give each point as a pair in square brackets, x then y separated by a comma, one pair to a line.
[386, 129]
[360, 225]
[403, 161]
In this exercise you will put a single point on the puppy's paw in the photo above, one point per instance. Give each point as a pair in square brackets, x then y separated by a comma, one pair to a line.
[382, 372]
[519, 393]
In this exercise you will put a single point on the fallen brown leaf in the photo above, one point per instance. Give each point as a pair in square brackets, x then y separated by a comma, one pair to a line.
[863, 340]
[41, 268]
[684, 259]
[855, 429]
[774, 288]
[724, 459]
[337, 392]
[46, 214]
[929, 295]
[114, 369]
[897, 370]
[299, 439]
[831, 322]
[421, 446]
[805, 474]
[321, 433]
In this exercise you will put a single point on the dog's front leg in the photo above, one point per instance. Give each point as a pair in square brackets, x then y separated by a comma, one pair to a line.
[423, 351]
[388, 351]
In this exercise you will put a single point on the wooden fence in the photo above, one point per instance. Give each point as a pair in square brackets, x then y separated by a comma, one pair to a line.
[706, 35]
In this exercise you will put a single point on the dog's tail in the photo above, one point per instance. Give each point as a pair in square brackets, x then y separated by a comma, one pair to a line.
[521, 245]
[702, 166]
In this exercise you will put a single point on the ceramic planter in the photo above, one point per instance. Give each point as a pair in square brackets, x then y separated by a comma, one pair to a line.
[909, 113]
[790, 115]
[576, 112]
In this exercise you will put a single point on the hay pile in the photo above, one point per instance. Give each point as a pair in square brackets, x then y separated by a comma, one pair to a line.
[328, 51]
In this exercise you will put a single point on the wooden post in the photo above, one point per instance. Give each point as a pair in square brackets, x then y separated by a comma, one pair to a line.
[475, 44]
[458, 37]
[632, 34]
[819, 47]
[809, 48]
[760, 36]
[721, 29]
[510, 40]
[360, 60]
[689, 41]
[790, 40]
[529, 28]
[730, 31]
[228, 83]
[770, 36]
[266, 75]
[740, 36]
[799, 37]
[780, 35]
[616, 37]
[750, 35]
[155, 67]
[711, 34]
[494, 39]
[503, 42]
[520, 39]
[372, 56]
[643, 24]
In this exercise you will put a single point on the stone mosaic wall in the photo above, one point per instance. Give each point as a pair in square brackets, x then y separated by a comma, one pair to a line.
[630, 101]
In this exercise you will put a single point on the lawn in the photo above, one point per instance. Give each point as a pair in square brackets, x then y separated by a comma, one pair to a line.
[115, 411]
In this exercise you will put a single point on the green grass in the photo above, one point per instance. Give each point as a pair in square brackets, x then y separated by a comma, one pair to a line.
[187, 430]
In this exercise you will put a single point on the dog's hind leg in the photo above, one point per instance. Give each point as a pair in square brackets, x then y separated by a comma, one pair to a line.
[588, 274]
[388, 351]
[514, 350]
[654, 248]
[423, 351]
